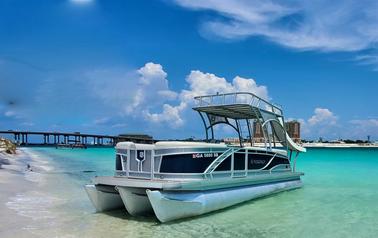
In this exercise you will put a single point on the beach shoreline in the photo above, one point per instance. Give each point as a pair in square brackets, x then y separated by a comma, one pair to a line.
[40, 199]
[13, 182]
[24, 199]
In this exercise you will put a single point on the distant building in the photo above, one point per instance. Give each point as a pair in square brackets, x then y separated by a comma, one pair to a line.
[231, 140]
[258, 134]
[293, 128]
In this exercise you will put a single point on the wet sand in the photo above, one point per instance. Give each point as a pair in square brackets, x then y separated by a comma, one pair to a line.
[42, 201]
[25, 201]
[12, 183]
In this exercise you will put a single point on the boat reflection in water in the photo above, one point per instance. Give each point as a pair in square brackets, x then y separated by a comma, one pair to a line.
[183, 179]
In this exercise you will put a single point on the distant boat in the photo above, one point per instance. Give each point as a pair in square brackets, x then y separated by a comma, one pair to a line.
[183, 179]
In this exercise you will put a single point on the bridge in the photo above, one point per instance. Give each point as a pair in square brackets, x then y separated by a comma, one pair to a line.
[76, 138]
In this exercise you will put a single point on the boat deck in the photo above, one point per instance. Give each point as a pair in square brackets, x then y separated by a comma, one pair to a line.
[196, 184]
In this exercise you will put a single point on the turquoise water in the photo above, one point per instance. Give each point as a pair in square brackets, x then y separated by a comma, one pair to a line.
[339, 199]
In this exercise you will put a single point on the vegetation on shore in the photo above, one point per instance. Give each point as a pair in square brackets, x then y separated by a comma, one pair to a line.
[8, 146]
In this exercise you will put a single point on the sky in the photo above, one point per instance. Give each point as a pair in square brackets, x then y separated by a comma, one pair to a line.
[113, 66]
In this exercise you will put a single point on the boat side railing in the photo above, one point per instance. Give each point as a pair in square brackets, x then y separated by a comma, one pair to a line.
[220, 159]
[201, 176]
[238, 98]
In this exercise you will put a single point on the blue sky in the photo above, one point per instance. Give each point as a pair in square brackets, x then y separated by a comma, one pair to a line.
[133, 66]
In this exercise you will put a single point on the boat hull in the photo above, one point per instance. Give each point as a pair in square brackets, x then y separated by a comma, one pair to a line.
[135, 200]
[103, 200]
[168, 202]
[170, 206]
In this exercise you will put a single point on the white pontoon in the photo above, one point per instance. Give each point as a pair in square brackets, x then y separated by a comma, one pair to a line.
[174, 180]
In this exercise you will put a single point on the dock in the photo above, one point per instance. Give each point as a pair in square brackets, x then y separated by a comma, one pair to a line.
[39, 138]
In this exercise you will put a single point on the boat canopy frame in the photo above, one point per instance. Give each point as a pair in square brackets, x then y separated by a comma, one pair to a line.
[237, 107]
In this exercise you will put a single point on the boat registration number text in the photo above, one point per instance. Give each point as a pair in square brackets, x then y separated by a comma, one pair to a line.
[205, 155]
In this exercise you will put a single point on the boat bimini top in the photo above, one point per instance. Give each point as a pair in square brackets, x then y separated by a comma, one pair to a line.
[241, 110]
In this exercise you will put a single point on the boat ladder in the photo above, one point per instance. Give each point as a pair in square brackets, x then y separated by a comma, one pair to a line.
[219, 160]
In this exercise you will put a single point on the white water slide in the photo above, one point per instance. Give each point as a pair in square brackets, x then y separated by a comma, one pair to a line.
[278, 125]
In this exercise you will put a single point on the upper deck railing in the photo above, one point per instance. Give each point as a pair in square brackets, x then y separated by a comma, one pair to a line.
[238, 98]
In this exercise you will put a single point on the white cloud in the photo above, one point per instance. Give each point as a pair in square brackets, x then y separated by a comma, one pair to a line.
[152, 87]
[322, 116]
[338, 25]
[366, 123]
[167, 94]
[368, 59]
[146, 92]
[362, 128]
[249, 85]
[206, 83]
[10, 113]
[324, 123]
[151, 72]
[14, 114]
[201, 83]
[344, 25]
[131, 91]
[170, 115]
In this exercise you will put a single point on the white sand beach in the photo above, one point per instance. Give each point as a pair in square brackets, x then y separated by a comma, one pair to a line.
[25, 201]
[41, 201]
[12, 182]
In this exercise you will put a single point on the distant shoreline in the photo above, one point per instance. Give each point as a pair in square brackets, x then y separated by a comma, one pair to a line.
[339, 145]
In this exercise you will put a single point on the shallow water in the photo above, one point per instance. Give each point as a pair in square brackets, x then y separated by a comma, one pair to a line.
[339, 199]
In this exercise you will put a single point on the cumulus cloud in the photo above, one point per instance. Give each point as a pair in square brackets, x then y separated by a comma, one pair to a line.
[151, 72]
[145, 92]
[364, 127]
[170, 115]
[367, 122]
[305, 25]
[322, 116]
[152, 87]
[106, 97]
[323, 123]
[201, 83]
[131, 91]
[103, 98]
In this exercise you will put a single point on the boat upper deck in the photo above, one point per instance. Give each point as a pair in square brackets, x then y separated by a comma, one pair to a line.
[240, 105]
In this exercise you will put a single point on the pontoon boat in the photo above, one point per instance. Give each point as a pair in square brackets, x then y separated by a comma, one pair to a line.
[175, 179]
